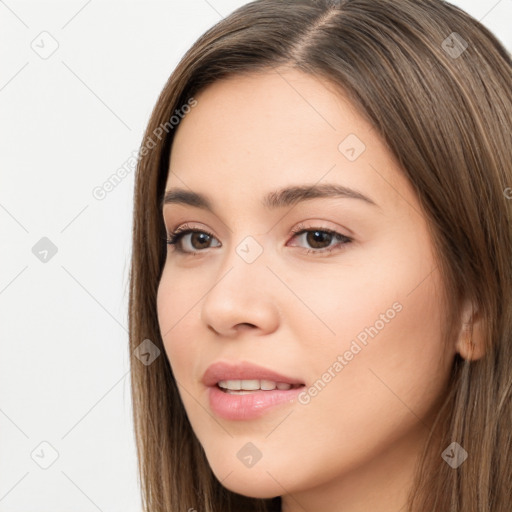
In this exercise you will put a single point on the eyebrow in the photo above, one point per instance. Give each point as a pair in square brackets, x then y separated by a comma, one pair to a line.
[285, 197]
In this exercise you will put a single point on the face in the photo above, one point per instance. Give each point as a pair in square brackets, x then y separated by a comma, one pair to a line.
[336, 291]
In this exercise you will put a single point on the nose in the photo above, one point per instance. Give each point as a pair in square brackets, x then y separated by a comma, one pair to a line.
[242, 298]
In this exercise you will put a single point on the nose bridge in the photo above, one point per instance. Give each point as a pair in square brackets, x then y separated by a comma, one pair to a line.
[239, 294]
[246, 241]
[249, 250]
[243, 265]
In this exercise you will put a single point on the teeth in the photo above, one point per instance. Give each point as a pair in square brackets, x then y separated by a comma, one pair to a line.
[252, 385]
[268, 385]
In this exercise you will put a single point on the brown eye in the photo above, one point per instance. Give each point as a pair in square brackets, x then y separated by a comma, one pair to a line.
[316, 240]
[199, 240]
[190, 240]
[319, 239]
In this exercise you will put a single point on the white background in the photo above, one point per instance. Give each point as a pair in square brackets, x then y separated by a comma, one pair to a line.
[67, 123]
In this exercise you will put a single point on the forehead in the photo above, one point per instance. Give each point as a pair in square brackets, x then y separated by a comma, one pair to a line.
[259, 132]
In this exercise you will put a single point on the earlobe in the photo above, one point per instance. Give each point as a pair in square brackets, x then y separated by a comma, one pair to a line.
[471, 341]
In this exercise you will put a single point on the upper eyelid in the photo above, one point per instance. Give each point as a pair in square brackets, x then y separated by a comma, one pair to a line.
[186, 228]
[316, 225]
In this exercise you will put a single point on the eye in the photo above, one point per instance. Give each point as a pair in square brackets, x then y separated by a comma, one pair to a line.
[194, 240]
[320, 240]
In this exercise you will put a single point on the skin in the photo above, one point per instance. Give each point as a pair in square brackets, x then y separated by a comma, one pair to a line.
[353, 447]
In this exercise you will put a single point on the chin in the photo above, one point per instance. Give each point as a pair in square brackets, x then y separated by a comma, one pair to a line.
[250, 482]
[265, 488]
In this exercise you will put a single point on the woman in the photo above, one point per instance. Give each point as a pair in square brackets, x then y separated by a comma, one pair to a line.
[322, 257]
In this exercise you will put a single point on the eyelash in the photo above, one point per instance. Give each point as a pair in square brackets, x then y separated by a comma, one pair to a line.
[175, 237]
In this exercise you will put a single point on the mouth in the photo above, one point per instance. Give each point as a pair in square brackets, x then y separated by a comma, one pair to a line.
[244, 387]
[245, 391]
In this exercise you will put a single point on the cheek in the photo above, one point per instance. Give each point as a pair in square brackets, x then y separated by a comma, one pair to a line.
[386, 386]
[388, 316]
[386, 356]
[177, 319]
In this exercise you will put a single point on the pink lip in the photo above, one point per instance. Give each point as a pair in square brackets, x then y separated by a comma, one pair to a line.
[254, 404]
[250, 406]
[243, 371]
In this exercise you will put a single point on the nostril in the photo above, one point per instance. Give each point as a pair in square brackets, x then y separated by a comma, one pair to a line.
[245, 325]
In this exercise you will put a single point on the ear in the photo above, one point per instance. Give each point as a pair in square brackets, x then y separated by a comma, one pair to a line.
[471, 341]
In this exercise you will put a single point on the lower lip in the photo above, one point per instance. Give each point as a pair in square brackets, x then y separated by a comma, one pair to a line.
[251, 405]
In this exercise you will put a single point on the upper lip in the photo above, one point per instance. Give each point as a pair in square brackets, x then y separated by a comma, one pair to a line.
[243, 371]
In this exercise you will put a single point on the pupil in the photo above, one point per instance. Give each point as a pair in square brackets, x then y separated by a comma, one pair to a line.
[318, 237]
[201, 237]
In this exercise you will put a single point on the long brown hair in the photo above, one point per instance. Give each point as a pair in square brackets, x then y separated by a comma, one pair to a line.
[437, 87]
